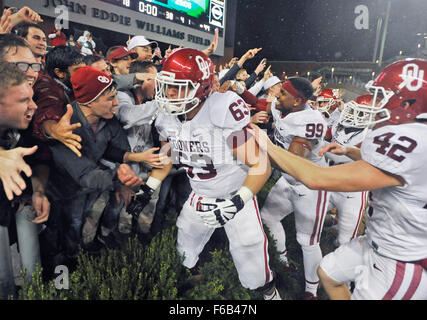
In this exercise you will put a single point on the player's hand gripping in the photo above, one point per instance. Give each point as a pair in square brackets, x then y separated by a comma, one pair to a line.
[217, 212]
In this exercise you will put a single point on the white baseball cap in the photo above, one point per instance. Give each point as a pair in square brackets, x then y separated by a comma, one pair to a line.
[139, 41]
[271, 82]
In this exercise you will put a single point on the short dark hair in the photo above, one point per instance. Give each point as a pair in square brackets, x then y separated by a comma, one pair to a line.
[22, 29]
[140, 66]
[303, 86]
[88, 60]
[62, 57]
[10, 75]
[9, 42]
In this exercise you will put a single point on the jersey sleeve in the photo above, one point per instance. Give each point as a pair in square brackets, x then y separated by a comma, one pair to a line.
[229, 111]
[392, 150]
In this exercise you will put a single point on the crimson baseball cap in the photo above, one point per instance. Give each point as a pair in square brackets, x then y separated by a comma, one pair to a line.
[89, 83]
[120, 53]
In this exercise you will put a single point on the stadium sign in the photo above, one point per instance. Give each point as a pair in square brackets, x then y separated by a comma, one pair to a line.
[155, 23]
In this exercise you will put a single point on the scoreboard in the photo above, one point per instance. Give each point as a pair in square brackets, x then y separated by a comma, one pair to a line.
[203, 15]
[187, 23]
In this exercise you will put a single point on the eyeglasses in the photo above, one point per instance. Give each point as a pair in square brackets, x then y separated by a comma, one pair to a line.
[23, 66]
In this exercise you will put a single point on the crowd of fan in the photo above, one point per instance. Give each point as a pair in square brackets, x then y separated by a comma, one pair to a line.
[75, 184]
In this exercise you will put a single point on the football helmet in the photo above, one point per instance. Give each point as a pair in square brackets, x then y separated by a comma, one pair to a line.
[356, 113]
[330, 96]
[190, 74]
[400, 91]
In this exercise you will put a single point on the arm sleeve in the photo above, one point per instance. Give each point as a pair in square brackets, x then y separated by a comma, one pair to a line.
[257, 87]
[249, 81]
[230, 75]
[118, 144]
[124, 81]
[84, 171]
[259, 104]
[131, 115]
[50, 106]
[249, 98]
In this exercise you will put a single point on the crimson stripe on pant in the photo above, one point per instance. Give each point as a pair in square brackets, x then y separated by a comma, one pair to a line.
[319, 216]
[397, 281]
[415, 282]
[267, 269]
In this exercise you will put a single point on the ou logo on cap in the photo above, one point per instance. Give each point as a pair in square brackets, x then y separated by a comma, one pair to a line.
[411, 73]
[103, 79]
[204, 67]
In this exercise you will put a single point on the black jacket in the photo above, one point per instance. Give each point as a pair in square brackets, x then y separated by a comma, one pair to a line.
[72, 175]
[7, 207]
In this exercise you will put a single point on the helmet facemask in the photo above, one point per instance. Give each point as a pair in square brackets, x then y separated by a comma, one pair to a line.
[377, 110]
[326, 108]
[360, 116]
[186, 89]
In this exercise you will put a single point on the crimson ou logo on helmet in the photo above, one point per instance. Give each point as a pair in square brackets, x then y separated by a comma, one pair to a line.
[204, 67]
[411, 73]
[103, 79]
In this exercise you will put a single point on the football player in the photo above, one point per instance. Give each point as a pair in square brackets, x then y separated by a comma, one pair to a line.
[205, 133]
[299, 129]
[390, 260]
[349, 131]
[329, 104]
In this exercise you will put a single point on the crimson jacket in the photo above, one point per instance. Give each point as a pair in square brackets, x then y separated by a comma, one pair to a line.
[51, 98]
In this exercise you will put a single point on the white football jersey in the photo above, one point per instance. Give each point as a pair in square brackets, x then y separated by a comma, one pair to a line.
[333, 118]
[347, 137]
[397, 219]
[308, 124]
[200, 145]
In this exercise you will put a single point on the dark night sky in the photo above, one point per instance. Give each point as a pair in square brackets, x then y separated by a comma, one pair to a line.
[324, 30]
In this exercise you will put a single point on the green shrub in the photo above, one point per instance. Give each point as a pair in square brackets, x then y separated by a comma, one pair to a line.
[135, 272]
[154, 271]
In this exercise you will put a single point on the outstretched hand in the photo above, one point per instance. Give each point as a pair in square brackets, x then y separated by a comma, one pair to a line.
[334, 148]
[25, 14]
[260, 67]
[63, 132]
[12, 163]
[214, 44]
[252, 53]
[6, 21]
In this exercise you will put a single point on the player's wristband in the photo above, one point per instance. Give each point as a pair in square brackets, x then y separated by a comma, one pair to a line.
[241, 197]
[153, 183]
[245, 193]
